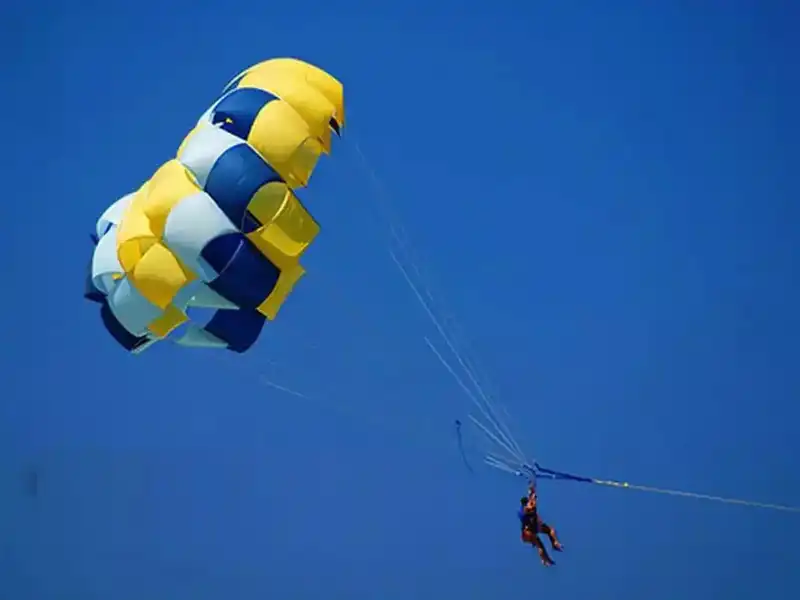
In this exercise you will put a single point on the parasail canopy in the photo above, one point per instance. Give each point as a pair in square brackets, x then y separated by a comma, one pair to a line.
[209, 248]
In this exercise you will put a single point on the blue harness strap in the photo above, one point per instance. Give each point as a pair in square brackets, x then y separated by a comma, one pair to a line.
[540, 471]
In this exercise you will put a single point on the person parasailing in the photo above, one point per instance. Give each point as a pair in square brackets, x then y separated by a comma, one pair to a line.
[532, 525]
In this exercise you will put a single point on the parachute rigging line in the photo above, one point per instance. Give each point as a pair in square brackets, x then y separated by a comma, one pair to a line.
[282, 388]
[498, 437]
[461, 446]
[425, 298]
[486, 408]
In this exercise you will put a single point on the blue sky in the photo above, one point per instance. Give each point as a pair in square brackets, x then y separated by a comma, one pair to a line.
[604, 195]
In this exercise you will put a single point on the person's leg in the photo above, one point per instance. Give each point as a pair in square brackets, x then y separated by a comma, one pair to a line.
[543, 555]
[530, 537]
[551, 534]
